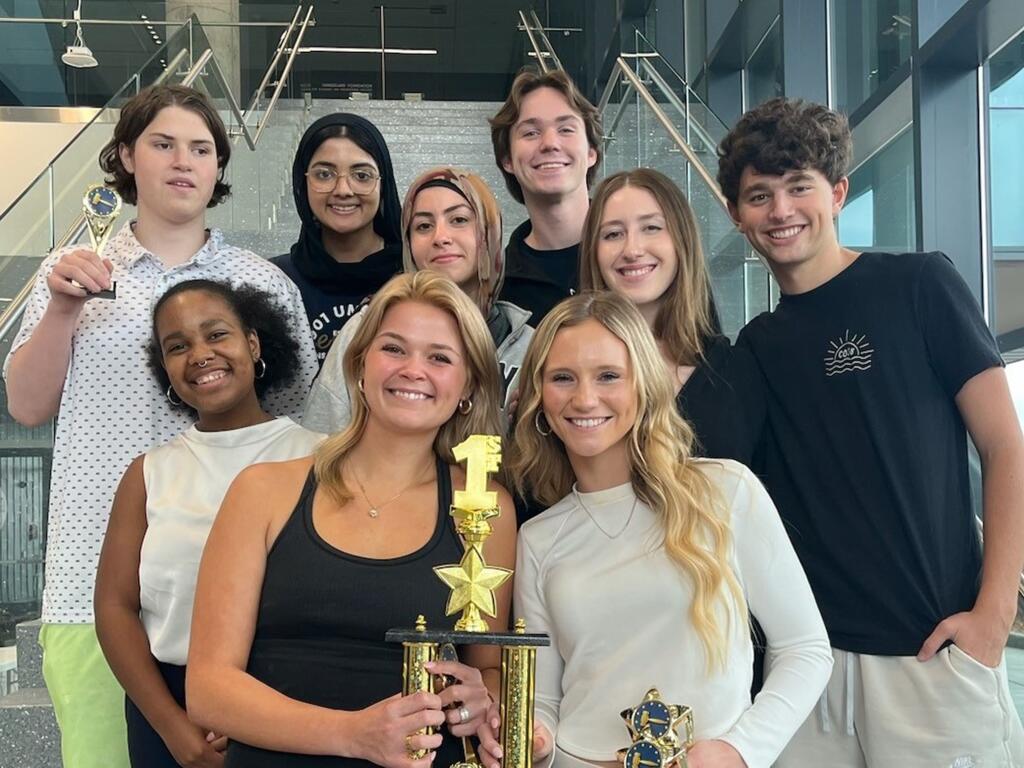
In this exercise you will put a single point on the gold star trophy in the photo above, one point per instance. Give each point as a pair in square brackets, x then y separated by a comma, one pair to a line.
[653, 726]
[472, 583]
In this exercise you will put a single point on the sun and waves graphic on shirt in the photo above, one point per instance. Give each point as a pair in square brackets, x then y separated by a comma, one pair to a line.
[850, 352]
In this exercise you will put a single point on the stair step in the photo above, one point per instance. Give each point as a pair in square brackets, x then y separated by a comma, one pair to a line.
[29, 737]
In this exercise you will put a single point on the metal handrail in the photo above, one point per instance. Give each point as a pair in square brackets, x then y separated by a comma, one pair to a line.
[676, 102]
[533, 43]
[673, 132]
[281, 44]
[544, 36]
[284, 75]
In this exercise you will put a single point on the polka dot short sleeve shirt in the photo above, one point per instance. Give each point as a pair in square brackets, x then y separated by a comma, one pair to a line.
[112, 408]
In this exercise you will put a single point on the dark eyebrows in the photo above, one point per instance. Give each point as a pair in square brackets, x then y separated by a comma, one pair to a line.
[446, 211]
[536, 121]
[205, 325]
[194, 142]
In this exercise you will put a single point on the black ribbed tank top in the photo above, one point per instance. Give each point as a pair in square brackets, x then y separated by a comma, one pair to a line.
[322, 618]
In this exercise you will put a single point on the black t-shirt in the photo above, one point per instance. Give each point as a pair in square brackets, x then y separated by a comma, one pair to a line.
[724, 402]
[866, 452]
[537, 280]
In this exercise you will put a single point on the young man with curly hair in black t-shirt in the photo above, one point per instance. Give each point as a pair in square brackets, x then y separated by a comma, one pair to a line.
[877, 367]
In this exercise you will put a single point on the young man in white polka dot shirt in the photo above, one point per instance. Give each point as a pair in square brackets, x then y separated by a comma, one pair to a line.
[82, 358]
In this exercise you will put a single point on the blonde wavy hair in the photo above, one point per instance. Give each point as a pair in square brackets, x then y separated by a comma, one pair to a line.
[482, 379]
[697, 533]
[490, 256]
[684, 320]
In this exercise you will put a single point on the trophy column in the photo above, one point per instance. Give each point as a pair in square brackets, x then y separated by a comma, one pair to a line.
[473, 583]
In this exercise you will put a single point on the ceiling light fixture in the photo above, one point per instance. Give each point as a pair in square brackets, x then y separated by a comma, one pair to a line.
[78, 54]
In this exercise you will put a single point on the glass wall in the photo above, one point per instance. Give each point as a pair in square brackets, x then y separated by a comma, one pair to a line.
[879, 211]
[870, 42]
[1006, 161]
[763, 73]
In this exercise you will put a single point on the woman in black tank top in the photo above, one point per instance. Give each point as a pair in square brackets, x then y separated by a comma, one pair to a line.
[311, 561]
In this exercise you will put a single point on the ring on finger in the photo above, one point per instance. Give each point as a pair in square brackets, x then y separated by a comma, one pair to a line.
[463, 714]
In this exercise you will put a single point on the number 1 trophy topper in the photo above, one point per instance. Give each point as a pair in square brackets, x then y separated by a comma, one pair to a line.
[101, 206]
[472, 583]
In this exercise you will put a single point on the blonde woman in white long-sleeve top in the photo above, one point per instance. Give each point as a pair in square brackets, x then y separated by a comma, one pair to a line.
[645, 566]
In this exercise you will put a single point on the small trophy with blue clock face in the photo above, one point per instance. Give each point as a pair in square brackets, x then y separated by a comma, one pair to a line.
[653, 726]
[101, 206]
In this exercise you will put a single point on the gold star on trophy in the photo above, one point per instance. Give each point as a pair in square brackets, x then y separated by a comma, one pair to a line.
[472, 583]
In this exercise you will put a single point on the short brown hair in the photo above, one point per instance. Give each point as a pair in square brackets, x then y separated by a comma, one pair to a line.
[785, 135]
[527, 81]
[685, 316]
[138, 112]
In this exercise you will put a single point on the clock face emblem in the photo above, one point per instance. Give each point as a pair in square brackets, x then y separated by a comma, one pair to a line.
[644, 754]
[652, 717]
[102, 201]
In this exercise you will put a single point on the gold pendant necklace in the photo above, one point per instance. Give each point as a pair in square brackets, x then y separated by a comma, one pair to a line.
[374, 509]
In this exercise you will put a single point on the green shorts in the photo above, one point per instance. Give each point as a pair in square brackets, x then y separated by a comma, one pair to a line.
[87, 698]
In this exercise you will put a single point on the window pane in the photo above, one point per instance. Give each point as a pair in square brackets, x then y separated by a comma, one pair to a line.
[870, 42]
[879, 213]
[1006, 179]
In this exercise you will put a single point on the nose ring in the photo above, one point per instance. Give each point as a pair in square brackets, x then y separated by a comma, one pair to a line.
[203, 363]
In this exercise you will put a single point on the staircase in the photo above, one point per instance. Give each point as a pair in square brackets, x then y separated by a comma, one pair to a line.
[419, 135]
[260, 215]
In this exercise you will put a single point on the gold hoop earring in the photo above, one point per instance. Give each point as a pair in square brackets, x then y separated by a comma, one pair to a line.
[537, 416]
[465, 406]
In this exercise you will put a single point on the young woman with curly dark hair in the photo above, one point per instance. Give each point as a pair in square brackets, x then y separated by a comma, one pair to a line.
[215, 350]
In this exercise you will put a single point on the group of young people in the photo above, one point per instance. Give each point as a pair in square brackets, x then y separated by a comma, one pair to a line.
[232, 532]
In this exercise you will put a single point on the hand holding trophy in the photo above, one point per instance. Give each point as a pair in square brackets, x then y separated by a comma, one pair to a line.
[101, 207]
[473, 583]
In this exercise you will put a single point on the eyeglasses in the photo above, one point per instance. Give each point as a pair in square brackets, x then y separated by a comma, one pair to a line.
[360, 180]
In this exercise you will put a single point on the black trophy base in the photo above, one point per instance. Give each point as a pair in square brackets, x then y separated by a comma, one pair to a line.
[110, 293]
[439, 636]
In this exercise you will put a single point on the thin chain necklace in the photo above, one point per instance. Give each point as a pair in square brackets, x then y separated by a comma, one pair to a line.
[374, 509]
[593, 519]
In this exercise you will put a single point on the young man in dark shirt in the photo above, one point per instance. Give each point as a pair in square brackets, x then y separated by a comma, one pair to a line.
[877, 366]
[547, 144]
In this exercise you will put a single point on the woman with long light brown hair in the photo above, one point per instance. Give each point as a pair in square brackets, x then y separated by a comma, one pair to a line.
[644, 565]
[641, 240]
[311, 561]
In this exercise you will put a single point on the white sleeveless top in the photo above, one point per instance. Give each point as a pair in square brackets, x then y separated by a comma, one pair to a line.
[186, 480]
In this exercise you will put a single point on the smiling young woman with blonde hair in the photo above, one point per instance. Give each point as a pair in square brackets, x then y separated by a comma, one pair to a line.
[645, 563]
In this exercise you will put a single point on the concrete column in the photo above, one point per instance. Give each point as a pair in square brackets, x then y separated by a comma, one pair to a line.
[223, 40]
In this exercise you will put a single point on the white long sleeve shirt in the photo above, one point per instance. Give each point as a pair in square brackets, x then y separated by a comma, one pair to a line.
[617, 609]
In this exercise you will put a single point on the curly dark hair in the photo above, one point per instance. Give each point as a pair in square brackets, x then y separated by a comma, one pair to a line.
[785, 135]
[257, 311]
[138, 112]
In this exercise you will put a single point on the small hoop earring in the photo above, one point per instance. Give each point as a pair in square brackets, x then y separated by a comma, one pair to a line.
[536, 423]
[170, 396]
[360, 385]
[465, 405]
[259, 374]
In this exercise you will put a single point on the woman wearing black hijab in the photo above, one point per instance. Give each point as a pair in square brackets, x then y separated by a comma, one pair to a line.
[350, 243]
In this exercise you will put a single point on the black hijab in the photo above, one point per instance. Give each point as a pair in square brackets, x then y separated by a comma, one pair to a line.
[308, 254]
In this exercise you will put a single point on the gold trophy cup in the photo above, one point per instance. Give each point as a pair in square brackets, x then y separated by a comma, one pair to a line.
[472, 583]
